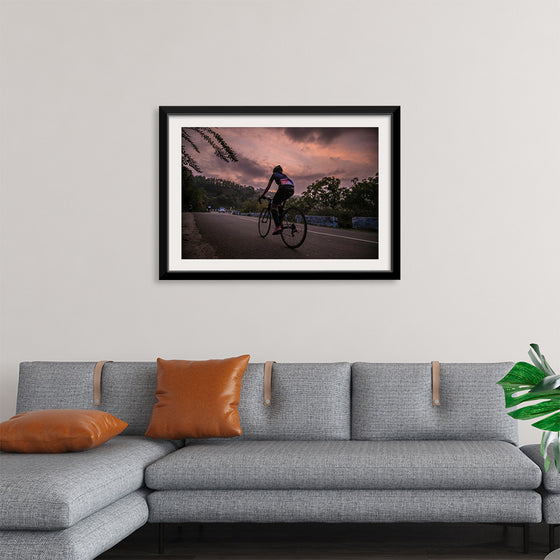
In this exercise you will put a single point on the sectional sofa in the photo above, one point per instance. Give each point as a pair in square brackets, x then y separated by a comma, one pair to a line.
[340, 442]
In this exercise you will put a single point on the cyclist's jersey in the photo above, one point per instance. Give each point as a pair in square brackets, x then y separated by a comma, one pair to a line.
[283, 180]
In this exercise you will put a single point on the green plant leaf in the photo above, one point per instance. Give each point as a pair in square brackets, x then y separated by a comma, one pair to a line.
[525, 383]
[539, 361]
[534, 410]
[520, 398]
[545, 441]
[556, 451]
[536, 361]
[550, 423]
[522, 375]
[550, 449]
[535, 348]
[545, 363]
[547, 384]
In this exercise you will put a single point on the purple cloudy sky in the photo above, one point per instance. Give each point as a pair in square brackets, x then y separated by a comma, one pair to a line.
[306, 154]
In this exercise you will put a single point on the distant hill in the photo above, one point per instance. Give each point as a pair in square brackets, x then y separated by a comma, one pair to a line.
[228, 194]
[199, 192]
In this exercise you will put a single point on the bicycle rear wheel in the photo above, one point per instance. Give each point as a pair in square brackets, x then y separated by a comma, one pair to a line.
[264, 222]
[294, 227]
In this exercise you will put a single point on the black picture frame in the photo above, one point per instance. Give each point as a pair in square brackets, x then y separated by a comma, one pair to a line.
[390, 114]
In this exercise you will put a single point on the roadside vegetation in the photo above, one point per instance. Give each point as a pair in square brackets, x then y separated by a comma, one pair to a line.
[325, 197]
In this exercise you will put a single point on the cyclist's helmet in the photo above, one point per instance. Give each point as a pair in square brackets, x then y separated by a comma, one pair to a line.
[278, 169]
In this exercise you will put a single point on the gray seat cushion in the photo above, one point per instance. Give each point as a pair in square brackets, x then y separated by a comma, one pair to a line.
[550, 478]
[551, 508]
[344, 465]
[394, 401]
[85, 540]
[550, 489]
[345, 506]
[56, 490]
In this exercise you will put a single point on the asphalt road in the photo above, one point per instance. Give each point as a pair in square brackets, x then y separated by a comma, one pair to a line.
[237, 237]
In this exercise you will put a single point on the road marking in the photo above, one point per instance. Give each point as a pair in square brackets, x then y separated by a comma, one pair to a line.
[342, 236]
[246, 219]
[321, 232]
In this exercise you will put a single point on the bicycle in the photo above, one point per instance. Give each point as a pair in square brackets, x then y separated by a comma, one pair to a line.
[292, 219]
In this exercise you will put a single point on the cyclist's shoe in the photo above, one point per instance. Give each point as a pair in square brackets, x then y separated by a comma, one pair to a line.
[277, 230]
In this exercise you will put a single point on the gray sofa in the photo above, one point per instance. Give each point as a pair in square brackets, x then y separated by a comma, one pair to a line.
[340, 442]
[550, 491]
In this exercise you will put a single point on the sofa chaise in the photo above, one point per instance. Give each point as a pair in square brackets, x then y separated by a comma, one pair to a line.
[340, 442]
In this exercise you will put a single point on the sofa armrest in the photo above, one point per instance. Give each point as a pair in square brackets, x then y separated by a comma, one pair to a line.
[551, 479]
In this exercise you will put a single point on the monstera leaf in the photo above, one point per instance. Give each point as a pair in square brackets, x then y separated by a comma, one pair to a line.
[526, 383]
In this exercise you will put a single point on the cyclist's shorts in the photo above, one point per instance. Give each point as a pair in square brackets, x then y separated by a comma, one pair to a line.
[282, 194]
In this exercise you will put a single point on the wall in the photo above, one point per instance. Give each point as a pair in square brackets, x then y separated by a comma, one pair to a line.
[81, 83]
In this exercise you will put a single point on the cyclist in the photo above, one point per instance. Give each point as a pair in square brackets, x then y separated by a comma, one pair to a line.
[285, 190]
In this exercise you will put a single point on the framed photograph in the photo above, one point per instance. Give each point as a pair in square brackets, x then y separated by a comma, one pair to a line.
[279, 192]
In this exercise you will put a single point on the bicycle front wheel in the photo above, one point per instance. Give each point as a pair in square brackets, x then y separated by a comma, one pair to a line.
[264, 222]
[294, 227]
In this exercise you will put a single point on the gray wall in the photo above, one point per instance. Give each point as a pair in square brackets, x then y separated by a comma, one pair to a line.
[479, 86]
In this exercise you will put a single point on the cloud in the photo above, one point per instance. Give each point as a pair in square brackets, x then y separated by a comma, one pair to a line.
[306, 154]
[323, 136]
[246, 171]
[250, 168]
[300, 134]
[311, 177]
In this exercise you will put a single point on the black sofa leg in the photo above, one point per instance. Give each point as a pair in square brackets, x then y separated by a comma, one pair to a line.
[161, 538]
[525, 538]
[551, 535]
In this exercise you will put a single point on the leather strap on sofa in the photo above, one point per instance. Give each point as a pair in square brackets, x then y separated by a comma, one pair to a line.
[435, 383]
[268, 383]
[97, 371]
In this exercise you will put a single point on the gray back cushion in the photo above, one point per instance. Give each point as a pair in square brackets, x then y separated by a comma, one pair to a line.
[44, 385]
[309, 402]
[394, 401]
[127, 389]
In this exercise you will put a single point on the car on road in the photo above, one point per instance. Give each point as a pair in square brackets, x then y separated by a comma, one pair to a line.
[222, 210]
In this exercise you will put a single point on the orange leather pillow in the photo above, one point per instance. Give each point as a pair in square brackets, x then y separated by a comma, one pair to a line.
[58, 431]
[197, 399]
